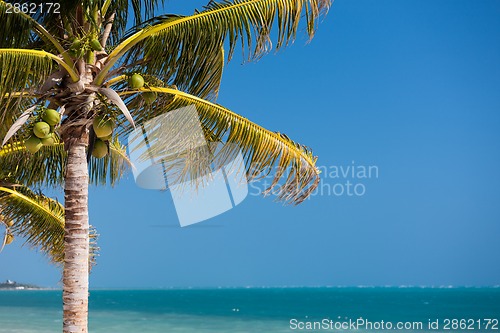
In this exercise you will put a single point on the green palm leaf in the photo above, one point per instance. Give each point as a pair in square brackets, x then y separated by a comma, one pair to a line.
[184, 50]
[47, 166]
[35, 68]
[36, 63]
[263, 150]
[24, 71]
[39, 220]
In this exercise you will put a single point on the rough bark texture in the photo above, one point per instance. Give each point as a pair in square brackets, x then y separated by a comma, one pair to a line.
[76, 240]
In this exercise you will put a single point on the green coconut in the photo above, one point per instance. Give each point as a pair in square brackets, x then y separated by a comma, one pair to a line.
[107, 138]
[95, 45]
[103, 127]
[9, 239]
[149, 97]
[41, 129]
[100, 149]
[33, 144]
[80, 52]
[49, 141]
[136, 81]
[76, 44]
[51, 117]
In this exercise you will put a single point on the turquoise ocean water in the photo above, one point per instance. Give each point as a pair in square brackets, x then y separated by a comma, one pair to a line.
[262, 310]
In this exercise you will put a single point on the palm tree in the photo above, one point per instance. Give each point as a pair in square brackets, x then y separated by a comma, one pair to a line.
[79, 58]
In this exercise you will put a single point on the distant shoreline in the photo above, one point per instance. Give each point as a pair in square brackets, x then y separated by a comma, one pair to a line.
[28, 288]
[295, 287]
[23, 287]
[12, 285]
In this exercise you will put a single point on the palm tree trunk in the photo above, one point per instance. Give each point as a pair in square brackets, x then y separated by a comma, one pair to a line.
[76, 240]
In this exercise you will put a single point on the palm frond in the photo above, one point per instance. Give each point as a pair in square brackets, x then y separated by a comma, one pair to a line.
[20, 72]
[37, 218]
[145, 9]
[185, 50]
[141, 11]
[24, 71]
[264, 151]
[47, 166]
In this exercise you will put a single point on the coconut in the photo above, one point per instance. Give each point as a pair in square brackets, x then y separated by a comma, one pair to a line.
[103, 127]
[33, 144]
[41, 129]
[49, 141]
[149, 97]
[136, 81]
[107, 138]
[9, 223]
[76, 44]
[9, 239]
[95, 45]
[80, 52]
[51, 117]
[100, 149]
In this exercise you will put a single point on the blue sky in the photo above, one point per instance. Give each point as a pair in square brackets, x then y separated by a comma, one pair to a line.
[410, 87]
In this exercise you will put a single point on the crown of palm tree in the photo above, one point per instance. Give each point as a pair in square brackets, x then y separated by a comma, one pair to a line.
[181, 59]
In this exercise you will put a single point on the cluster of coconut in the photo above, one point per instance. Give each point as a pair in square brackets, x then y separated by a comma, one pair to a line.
[103, 125]
[136, 81]
[79, 46]
[103, 129]
[42, 133]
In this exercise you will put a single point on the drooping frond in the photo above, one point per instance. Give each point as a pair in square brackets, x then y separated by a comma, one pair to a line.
[37, 218]
[24, 71]
[21, 71]
[264, 151]
[47, 166]
[178, 48]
